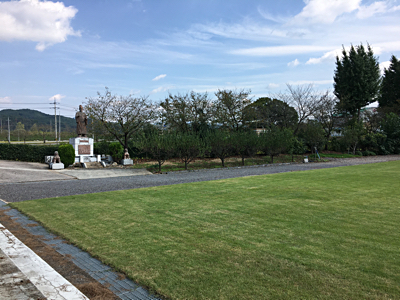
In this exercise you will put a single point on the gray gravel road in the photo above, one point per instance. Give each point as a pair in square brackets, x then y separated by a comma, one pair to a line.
[37, 190]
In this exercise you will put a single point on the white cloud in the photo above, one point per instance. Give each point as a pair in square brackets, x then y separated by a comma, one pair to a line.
[159, 77]
[279, 50]
[328, 56]
[5, 100]
[294, 63]
[161, 89]
[384, 65]
[271, 86]
[368, 11]
[270, 17]
[57, 97]
[324, 11]
[44, 22]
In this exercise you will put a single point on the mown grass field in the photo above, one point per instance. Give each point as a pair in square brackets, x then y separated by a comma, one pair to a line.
[322, 234]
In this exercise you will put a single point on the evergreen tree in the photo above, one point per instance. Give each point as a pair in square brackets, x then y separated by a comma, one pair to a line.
[389, 99]
[357, 79]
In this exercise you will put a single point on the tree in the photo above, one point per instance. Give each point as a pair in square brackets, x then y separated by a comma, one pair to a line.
[326, 115]
[20, 128]
[230, 108]
[267, 111]
[305, 101]
[352, 136]
[313, 135]
[188, 146]
[356, 79]
[188, 112]
[159, 146]
[121, 116]
[275, 141]
[391, 127]
[220, 144]
[389, 100]
[246, 143]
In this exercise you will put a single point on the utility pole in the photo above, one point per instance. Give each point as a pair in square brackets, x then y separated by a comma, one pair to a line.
[9, 130]
[55, 117]
[59, 125]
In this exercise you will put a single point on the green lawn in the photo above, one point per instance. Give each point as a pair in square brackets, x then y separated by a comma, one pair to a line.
[322, 234]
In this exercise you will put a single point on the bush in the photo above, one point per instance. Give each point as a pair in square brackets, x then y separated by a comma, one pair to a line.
[358, 153]
[67, 154]
[101, 148]
[116, 151]
[22, 152]
[368, 153]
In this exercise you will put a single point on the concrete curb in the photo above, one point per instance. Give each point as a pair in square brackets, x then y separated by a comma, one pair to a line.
[50, 283]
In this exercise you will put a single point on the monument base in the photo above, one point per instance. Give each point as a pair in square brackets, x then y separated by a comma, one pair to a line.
[126, 162]
[56, 166]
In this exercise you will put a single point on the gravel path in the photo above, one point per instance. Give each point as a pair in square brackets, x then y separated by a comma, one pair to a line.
[37, 190]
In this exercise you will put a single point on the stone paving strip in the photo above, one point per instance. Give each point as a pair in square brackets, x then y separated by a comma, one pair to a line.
[30, 268]
[125, 288]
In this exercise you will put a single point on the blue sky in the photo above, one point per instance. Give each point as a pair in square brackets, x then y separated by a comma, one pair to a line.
[69, 50]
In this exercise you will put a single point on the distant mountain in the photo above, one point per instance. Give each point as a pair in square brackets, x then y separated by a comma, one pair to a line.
[28, 117]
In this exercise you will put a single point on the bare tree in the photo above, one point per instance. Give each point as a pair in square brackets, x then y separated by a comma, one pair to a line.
[121, 116]
[326, 114]
[304, 99]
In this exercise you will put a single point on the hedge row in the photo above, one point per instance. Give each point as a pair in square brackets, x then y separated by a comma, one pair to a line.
[25, 152]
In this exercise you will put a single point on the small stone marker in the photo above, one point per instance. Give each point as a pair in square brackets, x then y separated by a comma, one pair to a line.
[126, 161]
[56, 163]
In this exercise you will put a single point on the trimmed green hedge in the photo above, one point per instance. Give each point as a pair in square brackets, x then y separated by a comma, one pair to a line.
[25, 152]
[67, 154]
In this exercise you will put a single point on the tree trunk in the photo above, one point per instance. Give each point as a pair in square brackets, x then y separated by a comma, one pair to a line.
[223, 162]
[272, 159]
[159, 166]
[242, 160]
[186, 164]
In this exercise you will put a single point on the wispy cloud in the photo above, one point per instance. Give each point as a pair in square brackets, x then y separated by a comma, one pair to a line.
[44, 22]
[57, 97]
[5, 100]
[161, 89]
[159, 77]
[294, 63]
[279, 50]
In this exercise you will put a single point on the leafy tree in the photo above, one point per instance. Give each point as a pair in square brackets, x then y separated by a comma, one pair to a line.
[352, 136]
[34, 129]
[391, 127]
[221, 144]
[121, 116]
[159, 146]
[188, 112]
[116, 151]
[275, 141]
[356, 79]
[20, 128]
[313, 135]
[267, 111]
[188, 146]
[230, 108]
[246, 143]
[389, 100]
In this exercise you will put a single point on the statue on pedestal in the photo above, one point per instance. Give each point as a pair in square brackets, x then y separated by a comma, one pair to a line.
[81, 122]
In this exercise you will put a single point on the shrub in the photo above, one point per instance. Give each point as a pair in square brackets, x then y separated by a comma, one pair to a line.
[101, 148]
[116, 150]
[368, 153]
[22, 152]
[67, 154]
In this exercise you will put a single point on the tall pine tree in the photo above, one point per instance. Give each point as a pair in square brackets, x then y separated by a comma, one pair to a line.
[356, 79]
[389, 100]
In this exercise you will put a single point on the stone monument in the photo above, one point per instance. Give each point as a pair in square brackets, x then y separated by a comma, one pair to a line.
[56, 163]
[83, 145]
[126, 161]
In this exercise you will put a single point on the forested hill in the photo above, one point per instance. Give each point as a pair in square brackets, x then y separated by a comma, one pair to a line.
[28, 117]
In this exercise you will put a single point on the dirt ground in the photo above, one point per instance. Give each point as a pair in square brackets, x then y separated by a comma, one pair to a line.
[62, 264]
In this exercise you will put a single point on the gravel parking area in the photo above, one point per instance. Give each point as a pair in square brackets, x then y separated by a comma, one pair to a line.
[37, 190]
